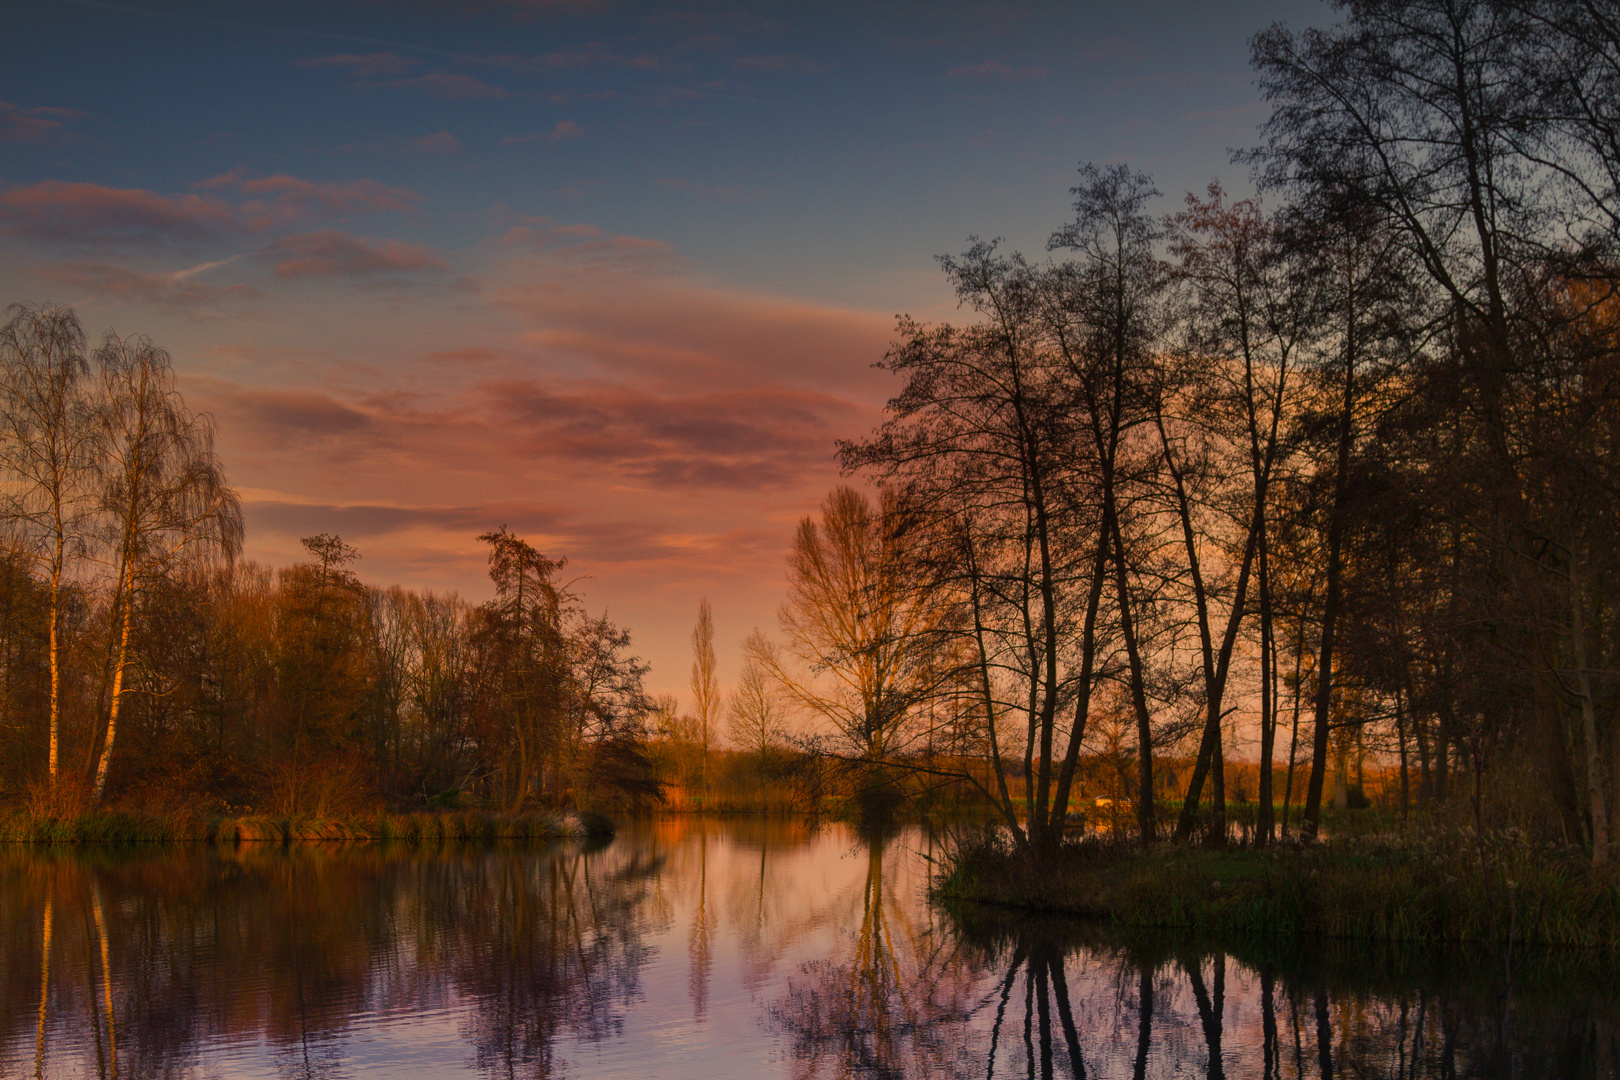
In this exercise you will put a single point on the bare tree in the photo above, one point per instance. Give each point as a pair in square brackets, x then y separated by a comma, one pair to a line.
[163, 494]
[861, 626]
[45, 453]
[1250, 312]
[757, 711]
[705, 687]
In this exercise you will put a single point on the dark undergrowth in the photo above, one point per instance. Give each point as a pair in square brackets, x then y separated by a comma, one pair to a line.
[1429, 887]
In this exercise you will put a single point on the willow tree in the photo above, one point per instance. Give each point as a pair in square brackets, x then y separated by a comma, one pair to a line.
[45, 453]
[163, 498]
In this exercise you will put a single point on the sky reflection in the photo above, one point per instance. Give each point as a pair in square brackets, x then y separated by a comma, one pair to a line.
[700, 948]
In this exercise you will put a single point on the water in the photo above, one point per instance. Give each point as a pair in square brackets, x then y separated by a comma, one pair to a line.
[708, 949]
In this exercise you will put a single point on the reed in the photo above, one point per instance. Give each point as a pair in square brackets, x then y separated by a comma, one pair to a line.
[1405, 890]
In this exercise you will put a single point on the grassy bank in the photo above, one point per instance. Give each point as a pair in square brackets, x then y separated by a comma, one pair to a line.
[1418, 889]
[122, 827]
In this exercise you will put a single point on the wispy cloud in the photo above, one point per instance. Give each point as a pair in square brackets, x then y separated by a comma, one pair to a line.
[174, 288]
[450, 86]
[41, 124]
[565, 129]
[440, 142]
[738, 439]
[282, 198]
[330, 253]
[68, 212]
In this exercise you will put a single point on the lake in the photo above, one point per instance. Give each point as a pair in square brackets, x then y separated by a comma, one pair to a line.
[708, 949]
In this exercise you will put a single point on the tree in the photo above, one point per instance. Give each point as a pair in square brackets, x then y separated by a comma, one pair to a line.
[163, 495]
[1478, 137]
[323, 675]
[705, 688]
[45, 453]
[987, 440]
[1106, 318]
[1250, 311]
[756, 711]
[525, 664]
[862, 625]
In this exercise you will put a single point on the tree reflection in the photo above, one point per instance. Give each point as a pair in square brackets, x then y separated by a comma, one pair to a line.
[889, 1003]
[138, 966]
[150, 965]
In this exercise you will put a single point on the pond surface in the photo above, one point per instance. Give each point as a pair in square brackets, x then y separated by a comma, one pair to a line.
[707, 949]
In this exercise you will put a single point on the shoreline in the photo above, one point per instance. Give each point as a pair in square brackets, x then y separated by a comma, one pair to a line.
[121, 827]
[1350, 891]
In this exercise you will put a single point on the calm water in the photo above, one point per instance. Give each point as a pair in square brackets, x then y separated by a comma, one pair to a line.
[706, 949]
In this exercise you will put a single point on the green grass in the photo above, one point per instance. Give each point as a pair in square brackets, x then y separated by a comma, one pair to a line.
[1419, 890]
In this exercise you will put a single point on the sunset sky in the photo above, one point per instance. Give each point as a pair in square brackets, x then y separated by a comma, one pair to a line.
[611, 274]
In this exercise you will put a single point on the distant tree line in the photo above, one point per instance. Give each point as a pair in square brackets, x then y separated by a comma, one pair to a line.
[141, 659]
[1340, 472]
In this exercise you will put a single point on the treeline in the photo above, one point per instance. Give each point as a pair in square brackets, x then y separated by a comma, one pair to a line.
[141, 661]
[1335, 475]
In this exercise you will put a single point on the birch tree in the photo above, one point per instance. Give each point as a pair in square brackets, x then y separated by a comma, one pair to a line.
[162, 493]
[45, 451]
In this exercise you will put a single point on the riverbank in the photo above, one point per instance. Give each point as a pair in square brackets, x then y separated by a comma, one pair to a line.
[1413, 889]
[123, 827]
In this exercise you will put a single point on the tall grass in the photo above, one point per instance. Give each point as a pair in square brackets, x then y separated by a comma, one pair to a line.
[1430, 888]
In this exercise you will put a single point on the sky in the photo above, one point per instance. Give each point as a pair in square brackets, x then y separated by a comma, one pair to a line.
[613, 275]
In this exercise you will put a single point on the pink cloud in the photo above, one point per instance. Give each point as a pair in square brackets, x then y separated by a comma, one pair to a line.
[43, 123]
[571, 298]
[449, 85]
[123, 283]
[282, 198]
[995, 69]
[329, 253]
[83, 213]
[57, 210]
[732, 439]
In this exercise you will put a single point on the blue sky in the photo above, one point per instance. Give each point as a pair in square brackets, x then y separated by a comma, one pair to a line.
[612, 274]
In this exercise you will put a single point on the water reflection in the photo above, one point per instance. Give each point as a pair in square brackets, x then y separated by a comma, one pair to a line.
[713, 949]
[298, 949]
